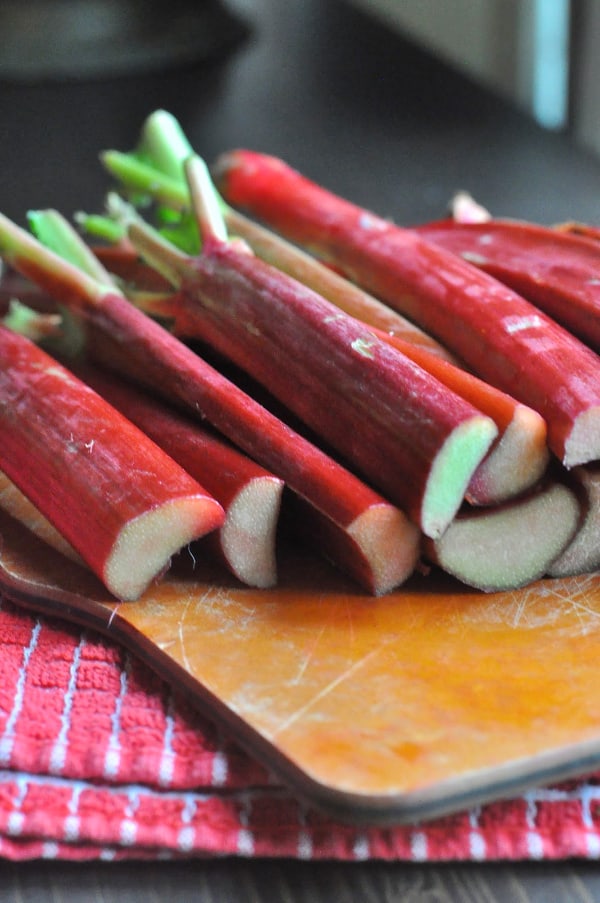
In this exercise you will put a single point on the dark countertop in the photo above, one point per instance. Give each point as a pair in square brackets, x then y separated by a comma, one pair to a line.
[329, 90]
[372, 117]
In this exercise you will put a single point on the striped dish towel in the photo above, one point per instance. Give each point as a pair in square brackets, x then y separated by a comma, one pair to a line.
[99, 759]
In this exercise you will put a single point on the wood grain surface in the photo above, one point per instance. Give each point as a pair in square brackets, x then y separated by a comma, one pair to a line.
[293, 882]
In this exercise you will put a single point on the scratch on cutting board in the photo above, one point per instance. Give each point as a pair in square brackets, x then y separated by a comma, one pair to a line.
[312, 648]
[587, 616]
[310, 654]
[543, 605]
[325, 691]
[563, 600]
[113, 614]
[181, 628]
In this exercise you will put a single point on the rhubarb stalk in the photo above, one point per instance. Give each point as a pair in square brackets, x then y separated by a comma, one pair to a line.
[413, 438]
[555, 270]
[519, 454]
[363, 534]
[249, 494]
[501, 336]
[122, 503]
[156, 168]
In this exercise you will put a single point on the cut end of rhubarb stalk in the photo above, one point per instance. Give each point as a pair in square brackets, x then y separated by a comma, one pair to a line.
[515, 463]
[452, 471]
[248, 536]
[390, 543]
[144, 547]
[582, 555]
[583, 443]
[511, 545]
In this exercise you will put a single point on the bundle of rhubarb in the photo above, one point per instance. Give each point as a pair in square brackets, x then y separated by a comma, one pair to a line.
[425, 397]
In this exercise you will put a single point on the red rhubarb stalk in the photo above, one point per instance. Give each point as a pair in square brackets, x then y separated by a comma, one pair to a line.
[555, 270]
[249, 494]
[519, 456]
[349, 297]
[413, 438]
[363, 534]
[122, 503]
[500, 335]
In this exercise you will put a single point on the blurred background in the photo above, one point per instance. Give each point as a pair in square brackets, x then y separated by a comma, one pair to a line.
[64, 39]
[395, 104]
[540, 54]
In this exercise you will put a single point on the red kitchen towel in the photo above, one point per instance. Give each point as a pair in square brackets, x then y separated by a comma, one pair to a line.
[99, 759]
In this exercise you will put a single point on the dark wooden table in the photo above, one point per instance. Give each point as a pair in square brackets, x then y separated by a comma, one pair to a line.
[379, 121]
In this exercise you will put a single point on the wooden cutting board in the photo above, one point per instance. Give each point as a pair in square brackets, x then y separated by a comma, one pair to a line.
[398, 708]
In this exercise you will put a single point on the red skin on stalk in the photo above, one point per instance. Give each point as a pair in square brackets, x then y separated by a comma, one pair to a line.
[249, 494]
[412, 437]
[504, 338]
[359, 531]
[124, 505]
[555, 270]
[519, 455]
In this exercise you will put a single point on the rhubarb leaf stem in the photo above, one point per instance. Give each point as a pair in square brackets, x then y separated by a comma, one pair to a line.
[139, 176]
[205, 201]
[159, 253]
[33, 324]
[20, 249]
[99, 226]
[164, 144]
[55, 232]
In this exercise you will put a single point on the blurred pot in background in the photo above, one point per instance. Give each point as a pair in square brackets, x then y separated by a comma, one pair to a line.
[67, 39]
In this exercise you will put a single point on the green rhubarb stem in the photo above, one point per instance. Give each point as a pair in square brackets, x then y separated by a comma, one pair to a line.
[99, 226]
[158, 168]
[21, 250]
[55, 232]
[143, 177]
[164, 143]
[112, 226]
[172, 263]
[159, 253]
